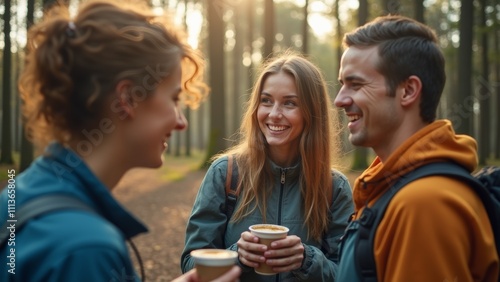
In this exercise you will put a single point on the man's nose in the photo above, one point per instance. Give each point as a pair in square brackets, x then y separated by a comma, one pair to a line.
[342, 99]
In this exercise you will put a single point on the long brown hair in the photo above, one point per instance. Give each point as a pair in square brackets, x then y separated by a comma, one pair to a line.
[317, 146]
[74, 65]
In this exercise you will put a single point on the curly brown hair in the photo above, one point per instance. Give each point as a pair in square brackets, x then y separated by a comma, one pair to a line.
[73, 65]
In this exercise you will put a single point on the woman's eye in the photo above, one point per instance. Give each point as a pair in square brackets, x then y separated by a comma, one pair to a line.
[291, 103]
[265, 101]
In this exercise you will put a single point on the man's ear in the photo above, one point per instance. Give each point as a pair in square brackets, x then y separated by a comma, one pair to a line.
[124, 101]
[412, 88]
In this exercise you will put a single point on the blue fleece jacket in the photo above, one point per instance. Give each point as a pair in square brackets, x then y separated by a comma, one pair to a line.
[67, 245]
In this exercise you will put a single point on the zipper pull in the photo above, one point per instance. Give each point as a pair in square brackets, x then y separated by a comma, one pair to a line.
[282, 176]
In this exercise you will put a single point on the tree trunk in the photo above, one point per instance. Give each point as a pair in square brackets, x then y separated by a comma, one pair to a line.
[16, 65]
[362, 12]
[339, 37]
[269, 27]
[361, 153]
[237, 65]
[178, 141]
[305, 30]
[360, 156]
[250, 19]
[384, 7]
[338, 42]
[419, 10]
[202, 116]
[336, 86]
[216, 30]
[47, 4]
[495, 87]
[484, 92]
[26, 152]
[463, 104]
[187, 132]
[6, 154]
[189, 129]
[392, 7]
[497, 91]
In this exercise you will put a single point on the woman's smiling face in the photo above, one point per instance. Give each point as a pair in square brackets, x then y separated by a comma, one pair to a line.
[279, 114]
[156, 118]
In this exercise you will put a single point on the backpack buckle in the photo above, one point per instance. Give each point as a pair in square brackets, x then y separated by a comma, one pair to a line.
[367, 217]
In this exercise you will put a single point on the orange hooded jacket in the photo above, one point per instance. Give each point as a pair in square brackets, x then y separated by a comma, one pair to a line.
[435, 229]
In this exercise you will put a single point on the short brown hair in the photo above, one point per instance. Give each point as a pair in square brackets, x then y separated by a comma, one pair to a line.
[406, 47]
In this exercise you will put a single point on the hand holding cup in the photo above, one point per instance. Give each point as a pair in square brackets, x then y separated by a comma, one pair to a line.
[282, 255]
[267, 234]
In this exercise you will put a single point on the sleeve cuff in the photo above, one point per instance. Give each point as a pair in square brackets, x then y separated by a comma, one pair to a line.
[306, 262]
[244, 268]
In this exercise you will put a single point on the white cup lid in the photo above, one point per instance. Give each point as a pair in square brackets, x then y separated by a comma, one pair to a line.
[214, 257]
[269, 231]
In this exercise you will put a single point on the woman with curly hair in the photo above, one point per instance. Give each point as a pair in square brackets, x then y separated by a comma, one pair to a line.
[101, 93]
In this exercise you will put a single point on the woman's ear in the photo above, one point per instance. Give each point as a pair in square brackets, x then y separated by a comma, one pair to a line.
[123, 104]
[412, 88]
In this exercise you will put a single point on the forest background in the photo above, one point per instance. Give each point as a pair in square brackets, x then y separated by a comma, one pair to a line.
[237, 36]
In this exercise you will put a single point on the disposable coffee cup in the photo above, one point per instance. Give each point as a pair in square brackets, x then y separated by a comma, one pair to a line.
[267, 234]
[212, 263]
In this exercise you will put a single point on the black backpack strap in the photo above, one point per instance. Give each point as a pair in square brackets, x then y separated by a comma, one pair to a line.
[49, 203]
[37, 207]
[231, 186]
[371, 216]
[485, 183]
[490, 178]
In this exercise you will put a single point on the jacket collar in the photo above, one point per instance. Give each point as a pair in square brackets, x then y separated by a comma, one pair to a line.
[292, 173]
[433, 143]
[68, 165]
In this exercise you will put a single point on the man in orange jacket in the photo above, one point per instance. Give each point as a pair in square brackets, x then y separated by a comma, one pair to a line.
[436, 228]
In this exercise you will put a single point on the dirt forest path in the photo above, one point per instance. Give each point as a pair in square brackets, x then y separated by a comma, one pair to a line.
[164, 206]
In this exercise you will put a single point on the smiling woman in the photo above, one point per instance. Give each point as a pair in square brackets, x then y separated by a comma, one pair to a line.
[284, 165]
[280, 117]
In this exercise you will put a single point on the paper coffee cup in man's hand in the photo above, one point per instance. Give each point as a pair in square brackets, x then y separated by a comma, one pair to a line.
[212, 263]
[267, 234]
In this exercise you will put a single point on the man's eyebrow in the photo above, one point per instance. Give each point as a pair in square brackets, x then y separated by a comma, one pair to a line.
[350, 78]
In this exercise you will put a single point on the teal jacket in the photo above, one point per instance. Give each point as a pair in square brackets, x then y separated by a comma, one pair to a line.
[206, 227]
[68, 245]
